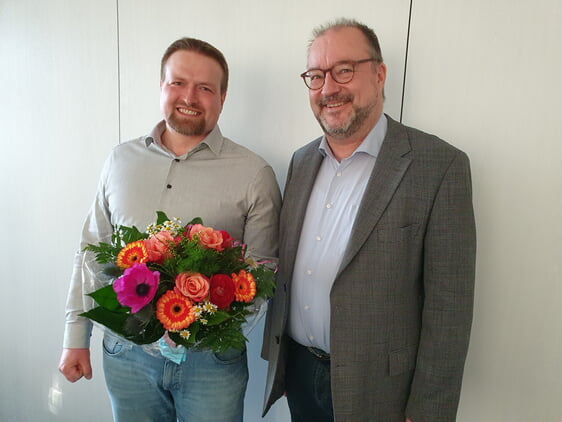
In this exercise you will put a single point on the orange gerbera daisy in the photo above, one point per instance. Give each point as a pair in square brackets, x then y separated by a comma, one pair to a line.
[174, 311]
[132, 253]
[245, 286]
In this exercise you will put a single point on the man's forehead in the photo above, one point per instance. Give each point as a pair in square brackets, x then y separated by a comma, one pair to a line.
[189, 63]
[337, 45]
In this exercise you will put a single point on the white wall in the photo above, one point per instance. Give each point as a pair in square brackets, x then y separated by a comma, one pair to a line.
[58, 120]
[77, 77]
[486, 76]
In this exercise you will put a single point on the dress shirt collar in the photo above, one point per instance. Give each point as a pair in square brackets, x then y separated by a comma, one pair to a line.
[213, 141]
[371, 144]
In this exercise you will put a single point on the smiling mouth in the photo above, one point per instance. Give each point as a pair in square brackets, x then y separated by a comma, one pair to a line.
[335, 101]
[188, 112]
[334, 105]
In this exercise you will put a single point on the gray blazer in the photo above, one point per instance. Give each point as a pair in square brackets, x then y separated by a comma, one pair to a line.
[402, 300]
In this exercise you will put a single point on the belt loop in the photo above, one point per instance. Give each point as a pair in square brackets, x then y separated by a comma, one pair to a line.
[314, 351]
[319, 353]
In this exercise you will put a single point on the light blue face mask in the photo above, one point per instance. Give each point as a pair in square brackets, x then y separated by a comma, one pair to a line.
[175, 354]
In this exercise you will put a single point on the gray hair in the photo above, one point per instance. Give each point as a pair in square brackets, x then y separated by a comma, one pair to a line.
[370, 36]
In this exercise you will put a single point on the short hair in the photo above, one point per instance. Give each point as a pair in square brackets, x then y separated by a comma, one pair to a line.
[197, 46]
[372, 40]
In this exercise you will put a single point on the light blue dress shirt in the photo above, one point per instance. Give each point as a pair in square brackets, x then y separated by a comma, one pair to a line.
[330, 214]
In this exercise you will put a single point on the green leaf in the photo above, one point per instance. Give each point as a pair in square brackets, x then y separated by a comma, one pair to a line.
[131, 234]
[193, 257]
[222, 338]
[112, 320]
[141, 331]
[107, 298]
[217, 318]
[189, 342]
[161, 217]
[196, 220]
[104, 252]
[265, 281]
[112, 271]
[128, 326]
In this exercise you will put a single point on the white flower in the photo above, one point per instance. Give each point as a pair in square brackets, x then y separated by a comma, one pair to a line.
[209, 307]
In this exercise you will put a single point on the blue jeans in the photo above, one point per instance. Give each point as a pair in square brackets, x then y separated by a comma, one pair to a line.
[206, 387]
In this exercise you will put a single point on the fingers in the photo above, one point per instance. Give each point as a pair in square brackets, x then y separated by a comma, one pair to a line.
[72, 374]
[75, 364]
[86, 371]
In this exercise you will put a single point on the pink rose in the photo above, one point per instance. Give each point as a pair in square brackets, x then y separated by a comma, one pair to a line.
[158, 246]
[227, 241]
[193, 285]
[207, 237]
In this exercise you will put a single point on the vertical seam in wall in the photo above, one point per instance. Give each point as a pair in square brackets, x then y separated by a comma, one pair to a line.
[406, 61]
[118, 75]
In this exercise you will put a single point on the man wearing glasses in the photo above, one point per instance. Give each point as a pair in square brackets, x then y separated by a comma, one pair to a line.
[373, 308]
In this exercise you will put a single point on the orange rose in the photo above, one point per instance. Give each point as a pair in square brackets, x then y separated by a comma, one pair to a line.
[227, 241]
[207, 237]
[158, 246]
[193, 285]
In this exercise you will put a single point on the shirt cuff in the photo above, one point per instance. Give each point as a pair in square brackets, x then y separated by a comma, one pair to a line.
[77, 335]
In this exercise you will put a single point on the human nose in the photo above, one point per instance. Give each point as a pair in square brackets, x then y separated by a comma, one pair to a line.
[189, 94]
[330, 84]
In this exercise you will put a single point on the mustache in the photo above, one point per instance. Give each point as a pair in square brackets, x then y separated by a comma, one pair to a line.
[188, 103]
[335, 98]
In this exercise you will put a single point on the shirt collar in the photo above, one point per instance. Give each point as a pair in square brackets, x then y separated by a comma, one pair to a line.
[214, 140]
[371, 144]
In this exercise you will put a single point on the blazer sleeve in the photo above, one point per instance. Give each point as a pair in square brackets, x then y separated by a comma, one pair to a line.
[448, 286]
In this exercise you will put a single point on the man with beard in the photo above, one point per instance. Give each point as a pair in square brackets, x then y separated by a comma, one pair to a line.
[372, 313]
[186, 168]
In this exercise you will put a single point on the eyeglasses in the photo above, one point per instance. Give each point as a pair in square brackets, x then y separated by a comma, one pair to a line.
[342, 73]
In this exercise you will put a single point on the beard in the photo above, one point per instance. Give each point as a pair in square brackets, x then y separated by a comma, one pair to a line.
[348, 128]
[190, 127]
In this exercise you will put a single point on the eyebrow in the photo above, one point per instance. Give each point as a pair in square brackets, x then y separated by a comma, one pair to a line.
[335, 64]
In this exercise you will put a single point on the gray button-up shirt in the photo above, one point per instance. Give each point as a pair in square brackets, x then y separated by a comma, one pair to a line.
[227, 185]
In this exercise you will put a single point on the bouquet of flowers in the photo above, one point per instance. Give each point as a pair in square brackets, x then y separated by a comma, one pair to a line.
[190, 282]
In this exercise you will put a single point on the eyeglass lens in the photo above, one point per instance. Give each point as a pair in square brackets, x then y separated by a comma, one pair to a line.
[341, 73]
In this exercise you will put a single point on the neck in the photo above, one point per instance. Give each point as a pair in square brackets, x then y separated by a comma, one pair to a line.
[343, 148]
[180, 144]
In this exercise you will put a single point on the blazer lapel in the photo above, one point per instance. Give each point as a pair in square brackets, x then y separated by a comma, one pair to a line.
[304, 168]
[389, 169]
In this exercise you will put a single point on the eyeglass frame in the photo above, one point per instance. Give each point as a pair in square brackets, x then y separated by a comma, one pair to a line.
[353, 63]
